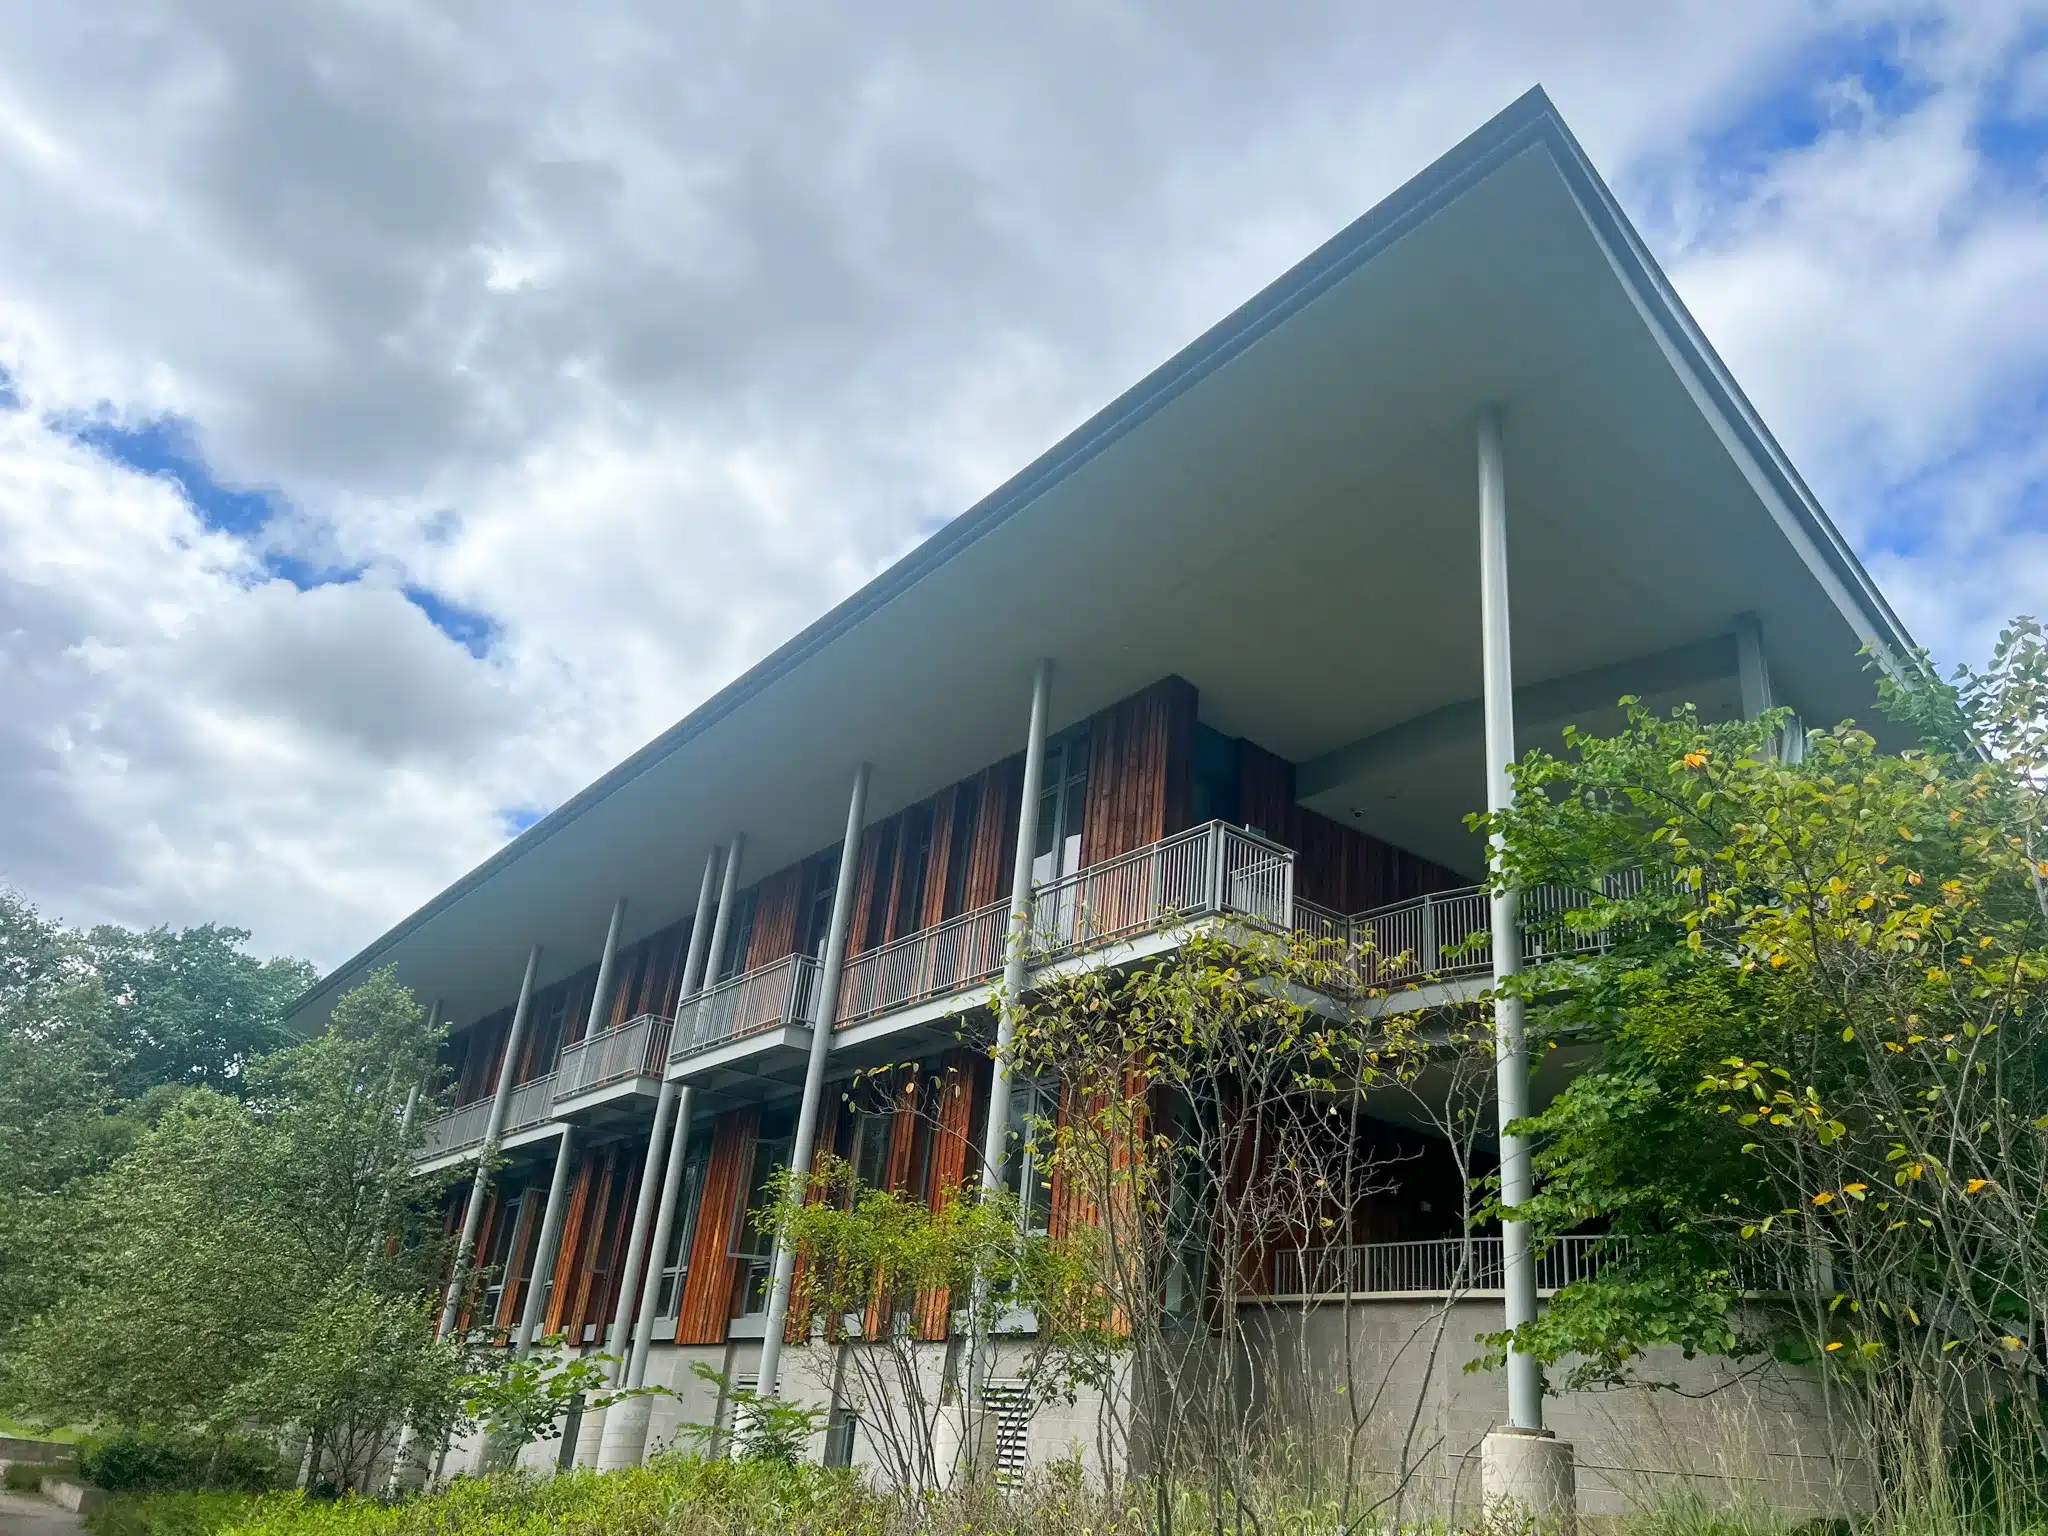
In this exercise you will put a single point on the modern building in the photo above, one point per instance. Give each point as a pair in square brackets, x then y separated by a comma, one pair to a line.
[1253, 640]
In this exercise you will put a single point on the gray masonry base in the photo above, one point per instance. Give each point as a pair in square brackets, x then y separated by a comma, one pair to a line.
[1756, 1439]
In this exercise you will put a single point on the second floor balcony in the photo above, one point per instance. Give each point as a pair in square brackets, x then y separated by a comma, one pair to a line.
[755, 1028]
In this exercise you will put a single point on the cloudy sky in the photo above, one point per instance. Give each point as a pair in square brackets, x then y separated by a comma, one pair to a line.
[409, 409]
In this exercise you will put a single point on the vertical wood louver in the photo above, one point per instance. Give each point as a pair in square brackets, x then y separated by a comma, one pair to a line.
[1140, 784]
[962, 1080]
[707, 1290]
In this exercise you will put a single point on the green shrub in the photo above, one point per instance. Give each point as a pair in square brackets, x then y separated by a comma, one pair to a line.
[149, 1461]
[170, 1514]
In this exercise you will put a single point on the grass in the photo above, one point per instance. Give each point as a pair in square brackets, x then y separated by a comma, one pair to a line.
[687, 1496]
[674, 1494]
[16, 1429]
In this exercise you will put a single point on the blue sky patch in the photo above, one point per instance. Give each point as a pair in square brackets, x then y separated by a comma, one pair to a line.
[165, 446]
[518, 818]
[471, 628]
[10, 397]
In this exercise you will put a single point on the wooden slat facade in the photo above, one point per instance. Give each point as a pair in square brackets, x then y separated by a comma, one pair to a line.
[778, 908]
[707, 1290]
[1140, 761]
[1335, 866]
[962, 1082]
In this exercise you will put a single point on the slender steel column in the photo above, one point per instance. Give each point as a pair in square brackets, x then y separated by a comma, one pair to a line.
[679, 1137]
[995, 1140]
[728, 898]
[1752, 674]
[535, 1303]
[618, 1340]
[601, 994]
[700, 929]
[830, 967]
[494, 1128]
[657, 1247]
[1511, 1051]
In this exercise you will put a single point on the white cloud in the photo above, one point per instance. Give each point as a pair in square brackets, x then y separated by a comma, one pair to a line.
[649, 330]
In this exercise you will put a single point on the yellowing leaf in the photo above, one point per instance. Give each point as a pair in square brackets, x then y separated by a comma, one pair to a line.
[1976, 1184]
[1825, 1197]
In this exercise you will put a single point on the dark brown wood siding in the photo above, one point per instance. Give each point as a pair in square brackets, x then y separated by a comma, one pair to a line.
[707, 1289]
[1140, 757]
[1335, 866]
[778, 902]
[954, 1159]
[999, 791]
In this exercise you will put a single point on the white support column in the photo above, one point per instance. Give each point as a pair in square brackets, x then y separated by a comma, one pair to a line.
[995, 1139]
[700, 929]
[830, 967]
[547, 1249]
[618, 1445]
[1753, 677]
[657, 1247]
[494, 1128]
[1522, 1464]
[624, 1443]
[601, 993]
[728, 898]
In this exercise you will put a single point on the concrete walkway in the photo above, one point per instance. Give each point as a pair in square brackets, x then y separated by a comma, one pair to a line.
[28, 1514]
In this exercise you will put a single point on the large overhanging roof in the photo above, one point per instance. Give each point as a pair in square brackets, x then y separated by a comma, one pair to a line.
[1285, 514]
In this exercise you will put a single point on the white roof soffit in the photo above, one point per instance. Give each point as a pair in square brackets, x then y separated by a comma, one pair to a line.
[1284, 514]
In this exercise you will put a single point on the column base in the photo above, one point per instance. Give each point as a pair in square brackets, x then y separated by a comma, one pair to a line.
[1527, 1475]
[624, 1443]
[590, 1437]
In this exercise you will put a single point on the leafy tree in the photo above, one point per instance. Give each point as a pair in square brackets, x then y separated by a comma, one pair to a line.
[868, 1258]
[1830, 985]
[223, 1269]
[189, 1007]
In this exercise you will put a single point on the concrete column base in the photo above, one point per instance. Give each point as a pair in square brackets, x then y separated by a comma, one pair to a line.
[625, 1434]
[590, 1437]
[1527, 1475]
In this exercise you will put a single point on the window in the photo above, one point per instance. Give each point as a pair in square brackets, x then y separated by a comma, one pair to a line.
[753, 1250]
[877, 927]
[502, 1232]
[916, 853]
[675, 1264]
[1062, 802]
[1034, 1112]
[739, 934]
[818, 910]
[871, 1133]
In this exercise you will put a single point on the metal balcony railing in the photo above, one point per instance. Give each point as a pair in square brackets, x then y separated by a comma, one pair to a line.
[1447, 934]
[1204, 871]
[783, 992]
[636, 1048]
[1433, 1266]
[460, 1129]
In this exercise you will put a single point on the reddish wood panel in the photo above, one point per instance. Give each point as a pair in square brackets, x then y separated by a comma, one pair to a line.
[576, 1012]
[778, 903]
[962, 1079]
[1335, 866]
[796, 1326]
[1140, 770]
[608, 1264]
[707, 1290]
[575, 1233]
[576, 1310]
[512, 1298]
[1000, 790]
[945, 806]
[483, 1049]
[877, 858]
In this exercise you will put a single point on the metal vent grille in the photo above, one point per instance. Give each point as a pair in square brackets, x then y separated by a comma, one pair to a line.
[1010, 1402]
